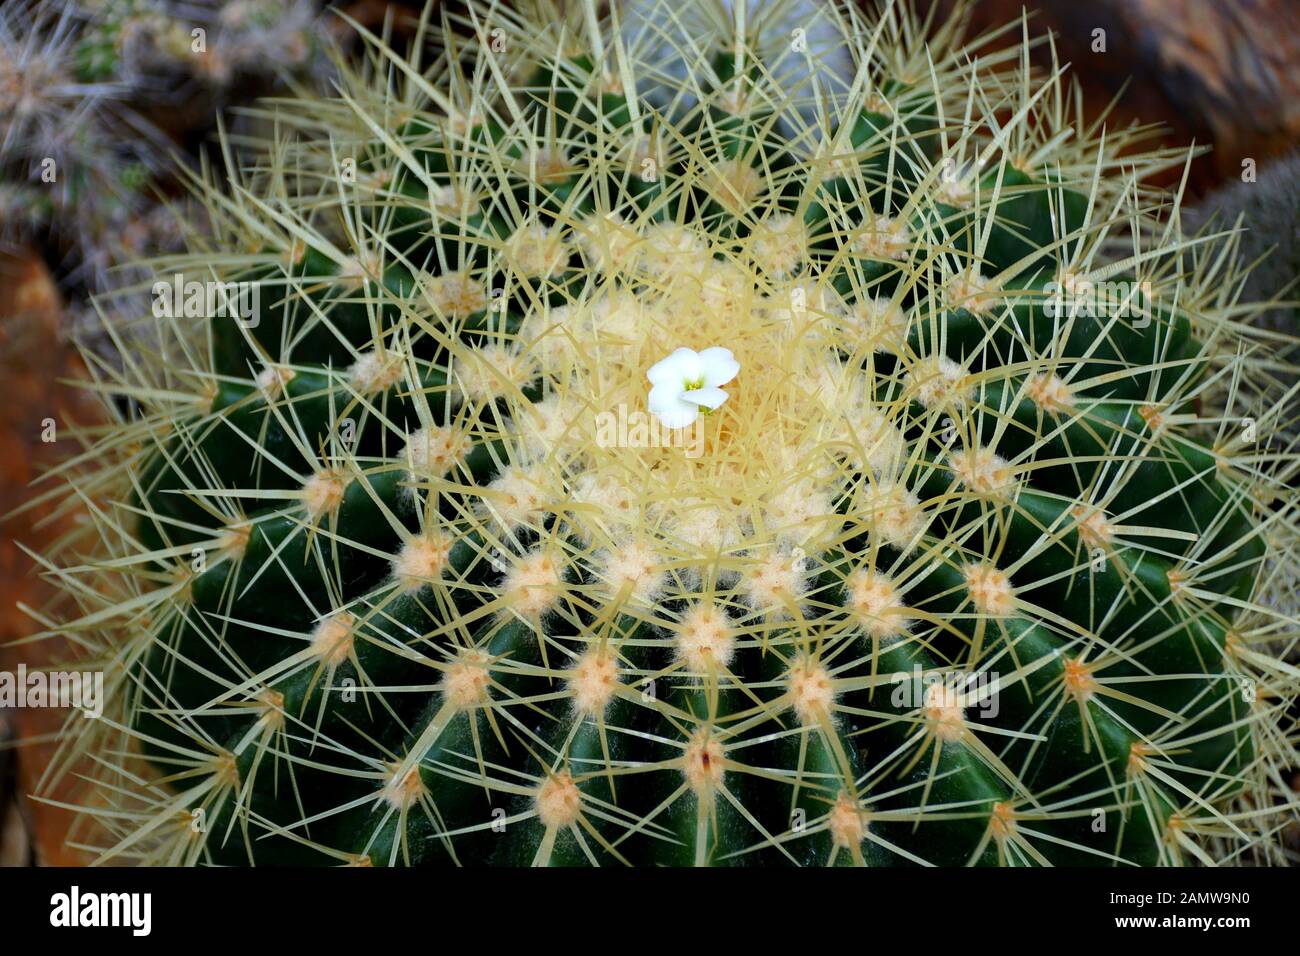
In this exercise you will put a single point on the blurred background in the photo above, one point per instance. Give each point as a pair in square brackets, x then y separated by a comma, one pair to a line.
[101, 101]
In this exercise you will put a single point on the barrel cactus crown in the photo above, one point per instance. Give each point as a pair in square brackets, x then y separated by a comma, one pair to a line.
[687, 435]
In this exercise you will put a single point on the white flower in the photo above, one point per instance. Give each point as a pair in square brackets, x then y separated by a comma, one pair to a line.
[687, 380]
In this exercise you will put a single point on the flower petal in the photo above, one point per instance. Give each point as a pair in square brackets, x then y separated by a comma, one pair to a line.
[678, 414]
[664, 396]
[708, 397]
[719, 365]
[682, 365]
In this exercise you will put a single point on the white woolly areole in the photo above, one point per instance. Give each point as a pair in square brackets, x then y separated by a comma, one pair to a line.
[608, 242]
[455, 295]
[549, 428]
[533, 585]
[983, 471]
[332, 639]
[633, 572]
[618, 318]
[435, 450]
[1049, 392]
[638, 152]
[893, 513]
[955, 188]
[359, 270]
[944, 712]
[558, 802]
[404, 792]
[812, 691]
[518, 497]
[883, 238]
[704, 641]
[273, 379]
[776, 583]
[880, 322]
[705, 528]
[1080, 685]
[1093, 525]
[990, 589]
[833, 382]
[422, 560]
[779, 244]
[551, 334]
[874, 442]
[323, 492]
[971, 291]
[235, 538]
[490, 371]
[376, 371]
[702, 762]
[734, 183]
[535, 251]
[670, 247]
[1002, 821]
[460, 121]
[938, 382]
[454, 202]
[465, 682]
[593, 680]
[725, 288]
[846, 823]
[877, 604]
[801, 512]
[547, 164]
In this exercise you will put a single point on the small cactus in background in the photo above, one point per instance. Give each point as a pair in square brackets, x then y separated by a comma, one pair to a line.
[64, 142]
[214, 41]
[84, 90]
[575, 456]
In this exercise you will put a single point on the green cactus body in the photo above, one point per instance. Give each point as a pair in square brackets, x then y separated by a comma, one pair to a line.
[952, 576]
